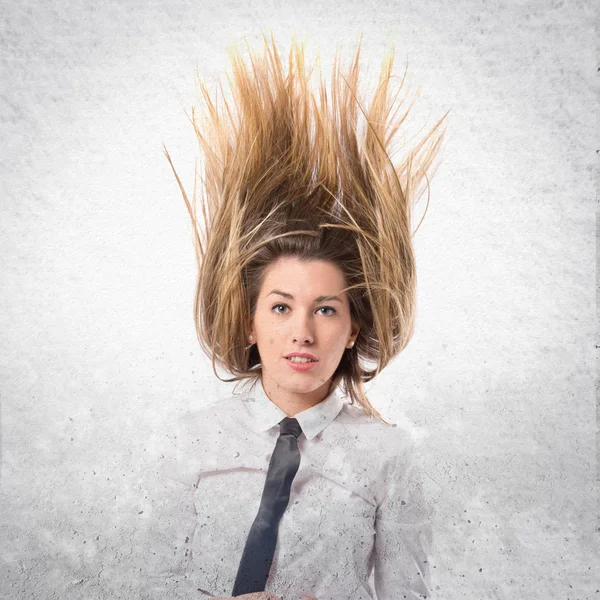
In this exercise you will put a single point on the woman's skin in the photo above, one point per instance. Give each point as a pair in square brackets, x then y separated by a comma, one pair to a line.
[300, 324]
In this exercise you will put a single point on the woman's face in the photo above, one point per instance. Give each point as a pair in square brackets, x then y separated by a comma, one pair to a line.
[291, 317]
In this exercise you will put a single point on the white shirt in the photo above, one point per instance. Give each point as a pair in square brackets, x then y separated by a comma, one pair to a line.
[356, 504]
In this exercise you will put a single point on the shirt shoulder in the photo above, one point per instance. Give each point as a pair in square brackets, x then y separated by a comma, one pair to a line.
[194, 431]
[386, 449]
[366, 431]
[213, 418]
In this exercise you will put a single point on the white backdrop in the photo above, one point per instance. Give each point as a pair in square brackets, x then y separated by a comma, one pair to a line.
[98, 352]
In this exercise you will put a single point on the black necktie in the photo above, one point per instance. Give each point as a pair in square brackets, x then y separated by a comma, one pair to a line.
[260, 546]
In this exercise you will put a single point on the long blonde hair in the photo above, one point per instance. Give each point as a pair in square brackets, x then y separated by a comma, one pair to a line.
[286, 173]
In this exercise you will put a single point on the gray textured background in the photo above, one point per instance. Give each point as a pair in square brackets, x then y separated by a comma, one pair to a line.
[97, 346]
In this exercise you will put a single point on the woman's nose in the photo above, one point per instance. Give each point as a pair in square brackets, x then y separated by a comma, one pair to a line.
[303, 329]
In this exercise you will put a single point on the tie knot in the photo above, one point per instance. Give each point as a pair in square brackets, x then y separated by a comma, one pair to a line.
[290, 425]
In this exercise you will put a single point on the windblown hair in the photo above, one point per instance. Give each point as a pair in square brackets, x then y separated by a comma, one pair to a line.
[287, 173]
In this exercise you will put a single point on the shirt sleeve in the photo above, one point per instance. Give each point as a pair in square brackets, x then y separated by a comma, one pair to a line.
[169, 532]
[403, 533]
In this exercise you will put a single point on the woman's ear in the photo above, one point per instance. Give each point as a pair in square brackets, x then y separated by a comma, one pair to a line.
[250, 331]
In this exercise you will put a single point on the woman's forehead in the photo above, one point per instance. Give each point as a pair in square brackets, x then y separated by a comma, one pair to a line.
[294, 278]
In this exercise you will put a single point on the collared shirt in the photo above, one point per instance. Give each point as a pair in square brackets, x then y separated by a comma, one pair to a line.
[356, 512]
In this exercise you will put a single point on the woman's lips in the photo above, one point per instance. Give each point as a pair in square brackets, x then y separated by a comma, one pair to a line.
[301, 366]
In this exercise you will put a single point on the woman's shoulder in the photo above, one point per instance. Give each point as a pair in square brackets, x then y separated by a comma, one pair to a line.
[358, 438]
[194, 431]
[398, 431]
[209, 416]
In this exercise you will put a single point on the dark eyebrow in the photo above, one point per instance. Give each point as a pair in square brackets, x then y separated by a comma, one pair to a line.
[317, 300]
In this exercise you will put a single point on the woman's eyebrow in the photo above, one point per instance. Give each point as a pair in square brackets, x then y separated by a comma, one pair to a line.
[317, 300]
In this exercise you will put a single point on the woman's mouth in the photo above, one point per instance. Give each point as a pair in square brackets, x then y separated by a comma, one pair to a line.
[301, 364]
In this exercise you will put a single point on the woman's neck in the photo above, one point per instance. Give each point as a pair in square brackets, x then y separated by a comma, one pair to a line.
[292, 403]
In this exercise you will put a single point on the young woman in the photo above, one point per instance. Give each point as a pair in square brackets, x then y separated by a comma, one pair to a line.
[297, 486]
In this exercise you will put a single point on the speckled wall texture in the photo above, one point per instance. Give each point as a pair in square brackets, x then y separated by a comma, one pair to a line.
[98, 354]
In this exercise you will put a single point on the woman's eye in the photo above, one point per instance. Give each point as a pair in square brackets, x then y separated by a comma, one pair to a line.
[329, 308]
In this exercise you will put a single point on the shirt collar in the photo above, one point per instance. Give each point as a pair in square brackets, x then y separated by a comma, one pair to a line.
[266, 414]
